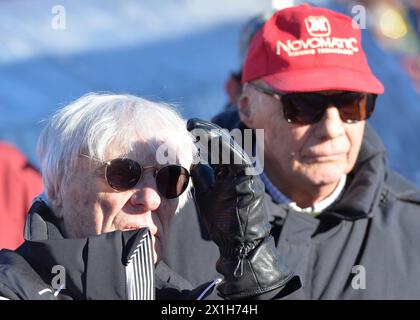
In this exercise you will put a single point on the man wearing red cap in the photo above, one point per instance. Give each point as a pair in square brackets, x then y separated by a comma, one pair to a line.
[343, 221]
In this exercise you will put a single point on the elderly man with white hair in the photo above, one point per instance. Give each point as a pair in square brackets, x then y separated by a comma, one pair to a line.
[116, 168]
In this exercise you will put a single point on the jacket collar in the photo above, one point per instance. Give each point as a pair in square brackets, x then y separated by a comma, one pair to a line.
[95, 267]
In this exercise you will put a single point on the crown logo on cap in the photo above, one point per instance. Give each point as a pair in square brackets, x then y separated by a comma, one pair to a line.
[318, 26]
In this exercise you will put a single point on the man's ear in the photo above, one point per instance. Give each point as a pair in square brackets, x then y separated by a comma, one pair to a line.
[233, 88]
[245, 110]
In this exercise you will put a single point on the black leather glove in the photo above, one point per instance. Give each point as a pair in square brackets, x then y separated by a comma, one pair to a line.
[229, 200]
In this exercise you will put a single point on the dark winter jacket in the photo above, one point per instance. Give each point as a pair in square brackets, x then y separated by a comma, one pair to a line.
[364, 246]
[47, 266]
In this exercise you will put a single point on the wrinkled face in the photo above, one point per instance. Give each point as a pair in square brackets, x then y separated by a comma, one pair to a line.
[90, 206]
[312, 155]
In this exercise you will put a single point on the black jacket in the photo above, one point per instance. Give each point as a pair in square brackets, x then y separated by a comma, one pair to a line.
[364, 246]
[94, 267]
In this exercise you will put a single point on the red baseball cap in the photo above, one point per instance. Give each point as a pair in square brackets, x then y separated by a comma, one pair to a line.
[305, 48]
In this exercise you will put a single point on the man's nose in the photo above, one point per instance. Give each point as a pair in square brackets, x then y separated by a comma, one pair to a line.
[330, 126]
[146, 196]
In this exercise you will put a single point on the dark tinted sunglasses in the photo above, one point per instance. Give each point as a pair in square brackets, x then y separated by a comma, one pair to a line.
[309, 108]
[123, 174]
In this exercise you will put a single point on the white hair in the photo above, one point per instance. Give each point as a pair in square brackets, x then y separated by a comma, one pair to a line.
[95, 123]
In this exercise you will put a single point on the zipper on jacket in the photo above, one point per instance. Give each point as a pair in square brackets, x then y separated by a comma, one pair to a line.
[239, 270]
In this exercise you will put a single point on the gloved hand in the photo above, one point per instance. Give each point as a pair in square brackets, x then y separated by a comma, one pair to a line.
[229, 200]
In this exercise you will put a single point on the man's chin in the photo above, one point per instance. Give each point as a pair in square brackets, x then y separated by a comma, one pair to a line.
[322, 180]
[324, 175]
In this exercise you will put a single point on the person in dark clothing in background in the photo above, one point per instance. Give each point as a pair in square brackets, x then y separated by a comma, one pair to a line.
[114, 170]
[233, 85]
[342, 219]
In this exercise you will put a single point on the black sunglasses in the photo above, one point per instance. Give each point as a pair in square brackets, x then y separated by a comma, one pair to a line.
[309, 108]
[123, 174]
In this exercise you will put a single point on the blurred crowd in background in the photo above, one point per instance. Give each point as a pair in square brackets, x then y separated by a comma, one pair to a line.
[202, 51]
[396, 26]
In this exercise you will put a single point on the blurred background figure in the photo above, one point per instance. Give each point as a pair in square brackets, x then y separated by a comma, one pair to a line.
[396, 25]
[233, 86]
[20, 182]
